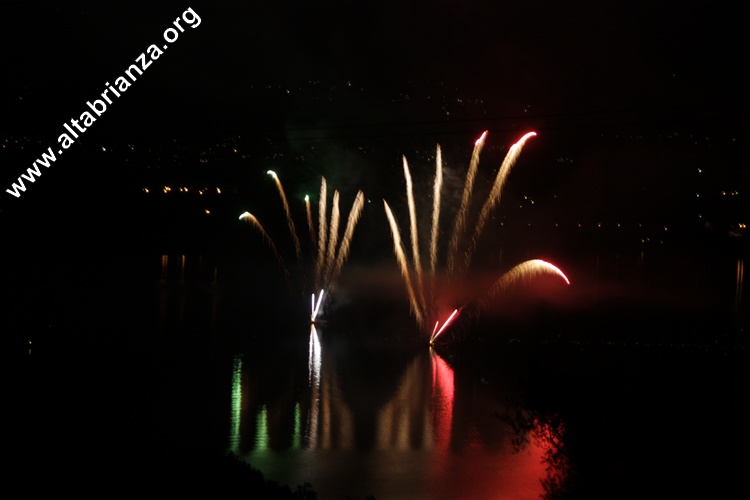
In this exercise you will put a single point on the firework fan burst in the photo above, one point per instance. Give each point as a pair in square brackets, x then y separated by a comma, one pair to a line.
[329, 247]
[430, 291]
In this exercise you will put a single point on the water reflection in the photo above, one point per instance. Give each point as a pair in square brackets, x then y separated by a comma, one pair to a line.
[738, 309]
[330, 418]
[739, 281]
[442, 400]
[236, 414]
[184, 283]
[547, 429]
[420, 413]
[313, 363]
[416, 429]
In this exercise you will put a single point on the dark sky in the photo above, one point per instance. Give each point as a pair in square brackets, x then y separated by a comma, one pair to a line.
[588, 58]
[660, 85]
[326, 70]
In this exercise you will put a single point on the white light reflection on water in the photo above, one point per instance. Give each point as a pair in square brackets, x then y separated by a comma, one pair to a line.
[411, 431]
[333, 418]
[313, 368]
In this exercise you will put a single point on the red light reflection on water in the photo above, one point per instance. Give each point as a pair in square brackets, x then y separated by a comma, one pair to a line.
[433, 437]
[477, 472]
[442, 400]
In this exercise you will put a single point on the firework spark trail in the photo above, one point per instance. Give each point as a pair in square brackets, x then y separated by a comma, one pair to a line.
[523, 272]
[414, 235]
[519, 273]
[310, 227]
[497, 188]
[436, 199]
[333, 239]
[315, 306]
[403, 264]
[288, 213]
[343, 252]
[465, 200]
[436, 334]
[256, 223]
[332, 251]
[322, 230]
[436, 209]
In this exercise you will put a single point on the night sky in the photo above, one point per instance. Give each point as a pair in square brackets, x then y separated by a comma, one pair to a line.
[403, 76]
[641, 113]
[522, 58]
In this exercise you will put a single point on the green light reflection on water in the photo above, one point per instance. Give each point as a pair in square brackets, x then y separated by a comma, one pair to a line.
[236, 410]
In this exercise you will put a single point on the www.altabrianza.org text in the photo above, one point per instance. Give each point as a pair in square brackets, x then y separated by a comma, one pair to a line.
[96, 108]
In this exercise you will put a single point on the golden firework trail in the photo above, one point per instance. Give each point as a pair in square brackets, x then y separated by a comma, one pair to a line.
[497, 188]
[465, 200]
[322, 229]
[398, 249]
[288, 214]
[438, 186]
[343, 251]
[310, 226]
[415, 290]
[333, 236]
[522, 273]
[414, 235]
[256, 223]
[332, 249]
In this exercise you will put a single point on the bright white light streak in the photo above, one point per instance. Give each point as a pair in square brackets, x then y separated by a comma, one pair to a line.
[314, 358]
[442, 328]
[481, 139]
[314, 365]
[434, 329]
[316, 306]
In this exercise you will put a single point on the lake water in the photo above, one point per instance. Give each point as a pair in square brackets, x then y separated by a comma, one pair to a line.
[633, 385]
[356, 423]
